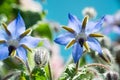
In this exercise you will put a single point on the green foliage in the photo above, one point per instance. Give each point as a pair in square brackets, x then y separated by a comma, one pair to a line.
[69, 73]
[38, 74]
[43, 30]
[13, 63]
[7, 8]
[82, 76]
[23, 76]
[32, 18]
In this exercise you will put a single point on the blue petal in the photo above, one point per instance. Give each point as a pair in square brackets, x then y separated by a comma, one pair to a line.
[30, 41]
[3, 51]
[94, 44]
[77, 52]
[17, 26]
[22, 53]
[89, 27]
[109, 19]
[74, 23]
[64, 39]
[93, 27]
[3, 35]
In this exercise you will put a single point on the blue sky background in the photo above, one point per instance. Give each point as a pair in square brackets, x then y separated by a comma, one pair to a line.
[58, 11]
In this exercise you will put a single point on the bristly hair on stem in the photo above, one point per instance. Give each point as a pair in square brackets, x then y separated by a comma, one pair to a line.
[77, 65]
[50, 73]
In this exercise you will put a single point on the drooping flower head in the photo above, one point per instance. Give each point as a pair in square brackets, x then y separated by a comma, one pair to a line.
[14, 39]
[81, 34]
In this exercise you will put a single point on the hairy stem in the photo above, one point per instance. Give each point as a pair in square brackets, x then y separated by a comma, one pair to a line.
[28, 67]
[76, 67]
[97, 65]
[50, 73]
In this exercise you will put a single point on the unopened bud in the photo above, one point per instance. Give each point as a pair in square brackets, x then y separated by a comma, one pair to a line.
[117, 54]
[106, 55]
[111, 75]
[41, 56]
[90, 11]
[97, 78]
[117, 18]
[106, 42]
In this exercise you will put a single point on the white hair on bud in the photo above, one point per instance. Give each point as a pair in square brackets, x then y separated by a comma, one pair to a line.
[90, 11]
[41, 56]
[111, 75]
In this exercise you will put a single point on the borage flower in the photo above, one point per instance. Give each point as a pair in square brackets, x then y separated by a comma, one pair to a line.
[14, 39]
[81, 34]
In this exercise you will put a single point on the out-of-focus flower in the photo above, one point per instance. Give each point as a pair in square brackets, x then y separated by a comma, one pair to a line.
[30, 5]
[54, 25]
[112, 24]
[89, 11]
[111, 75]
[56, 61]
[81, 34]
[41, 56]
[14, 38]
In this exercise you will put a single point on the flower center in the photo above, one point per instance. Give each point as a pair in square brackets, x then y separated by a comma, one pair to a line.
[12, 45]
[81, 38]
[13, 42]
[10, 49]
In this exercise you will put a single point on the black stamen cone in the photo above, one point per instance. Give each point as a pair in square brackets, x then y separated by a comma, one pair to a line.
[81, 41]
[10, 49]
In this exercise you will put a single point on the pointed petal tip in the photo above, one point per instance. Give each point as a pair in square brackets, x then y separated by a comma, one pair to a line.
[55, 40]
[19, 13]
[70, 16]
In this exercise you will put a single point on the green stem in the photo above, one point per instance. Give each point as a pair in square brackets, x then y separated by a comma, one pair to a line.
[28, 67]
[76, 68]
[49, 68]
[19, 60]
[97, 65]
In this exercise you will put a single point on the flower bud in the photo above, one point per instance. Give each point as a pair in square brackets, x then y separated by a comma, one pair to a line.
[117, 54]
[106, 56]
[90, 11]
[111, 75]
[117, 18]
[41, 56]
[106, 42]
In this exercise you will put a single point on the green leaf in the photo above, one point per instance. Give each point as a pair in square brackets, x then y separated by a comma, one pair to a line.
[43, 30]
[23, 76]
[13, 63]
[31, 18]
[7, 8]
[38, 74]
[69, 73]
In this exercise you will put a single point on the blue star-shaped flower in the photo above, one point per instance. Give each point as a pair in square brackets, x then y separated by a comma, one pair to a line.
[80, 34]
[14, 38]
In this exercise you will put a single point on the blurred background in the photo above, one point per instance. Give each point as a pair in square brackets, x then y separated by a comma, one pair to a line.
[46, 17]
